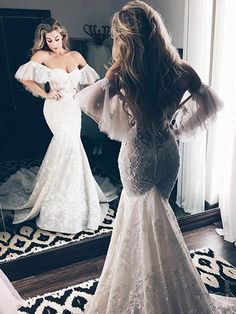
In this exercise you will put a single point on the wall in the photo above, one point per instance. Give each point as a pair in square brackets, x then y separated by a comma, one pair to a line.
[75, 13]
[172, 12]
[72, 13]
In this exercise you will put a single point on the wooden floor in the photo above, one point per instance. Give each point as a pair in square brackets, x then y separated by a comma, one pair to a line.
[82, 271]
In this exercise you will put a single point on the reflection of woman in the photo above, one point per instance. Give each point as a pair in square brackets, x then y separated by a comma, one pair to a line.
[10, 300]
[148, 268]
[65, 196]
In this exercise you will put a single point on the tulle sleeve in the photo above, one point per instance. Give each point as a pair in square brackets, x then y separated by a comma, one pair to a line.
[33, 71]
[101, 102]
[88, 75]
[197, 113]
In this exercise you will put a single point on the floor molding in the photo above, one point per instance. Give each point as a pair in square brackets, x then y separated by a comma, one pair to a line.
[205, 218]
[74, 252]
[39, 262]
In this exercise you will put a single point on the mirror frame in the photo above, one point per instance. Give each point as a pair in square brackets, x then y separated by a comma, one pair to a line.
[89, 248]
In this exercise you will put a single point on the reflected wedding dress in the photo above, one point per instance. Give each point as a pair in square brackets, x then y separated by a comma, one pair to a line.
[10, 300]
[64, 196]
[148, 269]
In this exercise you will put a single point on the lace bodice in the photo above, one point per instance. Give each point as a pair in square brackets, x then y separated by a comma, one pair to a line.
[65, 82]
[145, 162]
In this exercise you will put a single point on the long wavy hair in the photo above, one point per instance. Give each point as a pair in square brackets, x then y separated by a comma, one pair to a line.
[149, 64]
[46, 26]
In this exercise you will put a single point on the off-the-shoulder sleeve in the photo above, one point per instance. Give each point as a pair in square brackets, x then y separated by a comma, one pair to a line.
[101, 102]
[197, 113]
[33, 71]
[88, 75]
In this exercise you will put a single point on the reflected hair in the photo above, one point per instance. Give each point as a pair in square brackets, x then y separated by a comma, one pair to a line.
[46, 26]
[149, 64]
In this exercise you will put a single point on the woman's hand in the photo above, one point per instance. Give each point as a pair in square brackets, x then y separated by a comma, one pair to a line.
[54, 94]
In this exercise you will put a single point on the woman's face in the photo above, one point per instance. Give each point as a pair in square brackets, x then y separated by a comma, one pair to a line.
[54, 41]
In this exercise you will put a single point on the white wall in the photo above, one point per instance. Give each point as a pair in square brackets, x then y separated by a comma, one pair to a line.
[172, 12]
[72, 13]
[75, 13]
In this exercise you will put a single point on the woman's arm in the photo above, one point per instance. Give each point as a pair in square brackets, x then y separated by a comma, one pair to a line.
[194, 81]
[81, 62]
[35, 88]
[88, 75]
[112, 74]
[199, 109]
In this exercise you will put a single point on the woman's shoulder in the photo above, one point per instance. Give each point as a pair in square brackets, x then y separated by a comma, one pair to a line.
[40, 56]
[75, 54]
[78, 57]
[186, 66]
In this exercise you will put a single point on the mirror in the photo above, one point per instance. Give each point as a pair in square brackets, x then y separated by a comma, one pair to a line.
[25, 137]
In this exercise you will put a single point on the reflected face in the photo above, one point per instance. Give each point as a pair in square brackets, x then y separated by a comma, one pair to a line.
[54, 41]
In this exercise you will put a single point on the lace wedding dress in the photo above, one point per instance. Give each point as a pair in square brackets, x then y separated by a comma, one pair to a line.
[148, 268]
[64, 196]
[10, 300]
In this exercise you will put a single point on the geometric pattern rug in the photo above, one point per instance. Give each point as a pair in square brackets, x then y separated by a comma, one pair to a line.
[26, 238]
[218, 275]
[65, 301]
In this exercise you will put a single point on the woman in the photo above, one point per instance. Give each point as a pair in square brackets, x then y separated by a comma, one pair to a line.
[148, 268]
[65, 197]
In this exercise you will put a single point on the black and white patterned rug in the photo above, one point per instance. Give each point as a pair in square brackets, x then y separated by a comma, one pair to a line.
[65, 301]
[25, 239]
[28, 238]
[218, 275]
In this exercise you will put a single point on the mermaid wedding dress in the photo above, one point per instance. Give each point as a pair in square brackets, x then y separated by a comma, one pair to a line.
[148, 269]
[64, 196]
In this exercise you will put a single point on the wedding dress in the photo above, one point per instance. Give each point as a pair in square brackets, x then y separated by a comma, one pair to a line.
[64, 196]
[10, 300]
[148, 269]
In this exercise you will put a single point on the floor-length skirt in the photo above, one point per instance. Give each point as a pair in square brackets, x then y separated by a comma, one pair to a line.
[148, 268]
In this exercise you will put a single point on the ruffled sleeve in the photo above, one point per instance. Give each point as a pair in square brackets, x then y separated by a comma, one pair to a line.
[197, 113]
[101, 102]
[88, 75]
[33, 71]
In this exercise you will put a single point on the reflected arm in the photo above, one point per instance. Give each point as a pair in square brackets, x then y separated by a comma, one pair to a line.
[33, 75]
[34, 88]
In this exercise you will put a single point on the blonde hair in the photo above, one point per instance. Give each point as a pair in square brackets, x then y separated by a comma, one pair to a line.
[46, 26]
[149, 64]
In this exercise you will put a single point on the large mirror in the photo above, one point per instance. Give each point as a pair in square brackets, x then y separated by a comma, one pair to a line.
[25, 136]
